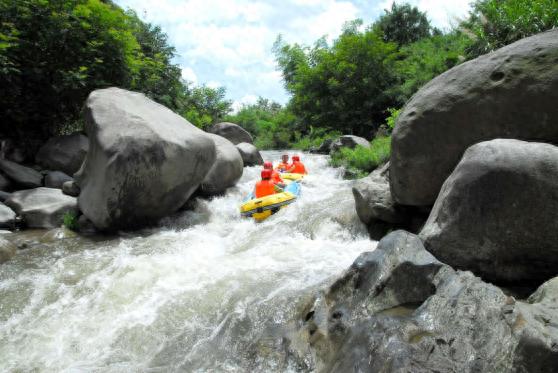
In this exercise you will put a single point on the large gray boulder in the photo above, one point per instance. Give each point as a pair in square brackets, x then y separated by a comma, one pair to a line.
[226, 170]
[398, 309]
[55, 179]
[7, 250]
[348, 141]
[233, 132]
[70, 188]
[7, 217]
[144, 161]
[23, 177]
[5, 183]
[250, 154]
[510, 93]
[63, 153]
[496, 213]
[42, 207]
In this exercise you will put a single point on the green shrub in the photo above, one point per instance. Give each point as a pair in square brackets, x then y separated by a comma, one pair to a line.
[70, 220]
[393, 115]
[314, 139]
[360, 161]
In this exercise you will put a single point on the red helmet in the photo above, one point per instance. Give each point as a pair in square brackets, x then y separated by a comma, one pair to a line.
[266, 174]
[296, 158]
[268, 165]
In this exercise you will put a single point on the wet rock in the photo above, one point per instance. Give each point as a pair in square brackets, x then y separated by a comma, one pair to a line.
[7, 250]
[398, 309]
[23, 177]
[70, 188]
[142, 169]
[348, 141]
[7, 217]
[509, 93]
[496, 213]
[250, 154]
[64, 153]
[226, 170]
[85, 225]
[42, 207]
[4, 196]
[325, 147]
[55, 179]
[232, 132]
[5, 183]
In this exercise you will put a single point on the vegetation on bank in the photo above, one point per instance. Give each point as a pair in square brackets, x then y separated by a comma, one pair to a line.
[54, 53]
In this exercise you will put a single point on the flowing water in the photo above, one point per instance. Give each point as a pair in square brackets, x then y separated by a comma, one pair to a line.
[205, 291]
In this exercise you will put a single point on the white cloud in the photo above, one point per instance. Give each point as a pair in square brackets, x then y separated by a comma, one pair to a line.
[229, 42]
[245, 100]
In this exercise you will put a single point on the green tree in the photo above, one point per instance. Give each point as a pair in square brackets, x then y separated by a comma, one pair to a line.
[495, 23]
[404, 24]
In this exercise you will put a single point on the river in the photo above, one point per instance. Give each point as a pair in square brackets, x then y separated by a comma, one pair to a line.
[205, 291]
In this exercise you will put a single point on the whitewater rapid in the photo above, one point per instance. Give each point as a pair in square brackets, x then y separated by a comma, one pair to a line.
[205, 291]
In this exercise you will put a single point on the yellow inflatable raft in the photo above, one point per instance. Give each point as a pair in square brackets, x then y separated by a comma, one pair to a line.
[293, 177]
[264, 207]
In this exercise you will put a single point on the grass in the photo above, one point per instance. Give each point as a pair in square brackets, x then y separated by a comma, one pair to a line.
[360, 161]
[70, 220]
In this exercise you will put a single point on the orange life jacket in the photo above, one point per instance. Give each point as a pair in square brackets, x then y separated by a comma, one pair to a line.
[282, 166]
[298, 168]
[276, 178]
[264, 188]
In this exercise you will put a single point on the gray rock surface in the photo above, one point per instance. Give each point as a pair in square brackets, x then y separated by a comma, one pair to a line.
[250, 154]
[348, 141]
[144, 161]
[5, 183]
[510, 93]
[226, 170]
[4, 195]
[70, 188]
[55, 179]
[398, 309]
[42, 207]
[7, 217]
[496, 213]
[23, 177]
[63, 153]
[233, 132]
[325, 147]
[7, 250]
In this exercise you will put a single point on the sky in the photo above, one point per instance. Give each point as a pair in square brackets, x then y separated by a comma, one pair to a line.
[229, 42]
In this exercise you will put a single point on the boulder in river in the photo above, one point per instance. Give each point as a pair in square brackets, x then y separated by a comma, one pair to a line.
[63, 153]
[496, 213]
[4, 195]
[509, 93]
[5, 183]
[55, 179]
[348, 141]
[42, 207]
[144, 161]
[70, 188]
[250, 154]
[7, 217]
[398, 309]
[226, 170]
[7, 250]
[23, 177]
[233, 132]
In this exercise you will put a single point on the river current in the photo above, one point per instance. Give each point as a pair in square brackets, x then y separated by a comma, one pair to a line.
[206, 291]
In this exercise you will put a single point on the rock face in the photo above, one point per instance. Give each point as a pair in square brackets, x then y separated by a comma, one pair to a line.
[70, 188]
[250, 154]
[496, 213]
[42, 207]
[325, 147]
[63, 153]
[398, 309]
[348, 141]
[510, 93]
[23, 177]
[55, 179]
[233, 132]
[4, 196]
[226, 170]
[7, 250]
[5, 184]
[7, 217]
[144, 161]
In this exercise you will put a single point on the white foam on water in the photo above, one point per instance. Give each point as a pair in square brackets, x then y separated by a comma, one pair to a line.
[191, 295]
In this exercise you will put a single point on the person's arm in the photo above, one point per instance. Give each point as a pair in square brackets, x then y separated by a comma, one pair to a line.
[290, 170]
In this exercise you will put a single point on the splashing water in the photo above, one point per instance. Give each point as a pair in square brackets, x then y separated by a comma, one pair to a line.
[202, 292]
